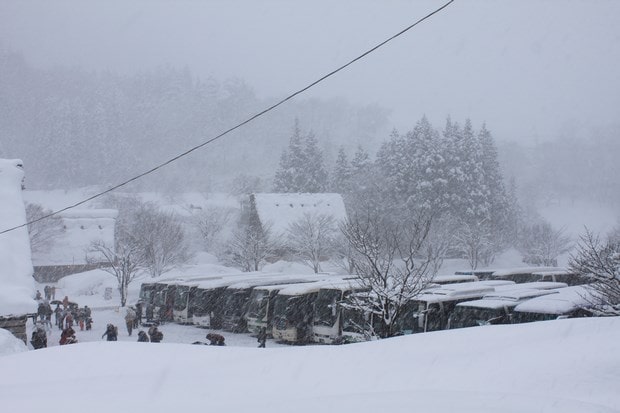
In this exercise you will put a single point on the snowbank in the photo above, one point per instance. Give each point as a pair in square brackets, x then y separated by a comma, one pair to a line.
[16, 282]
[9, 344]
[542, 367]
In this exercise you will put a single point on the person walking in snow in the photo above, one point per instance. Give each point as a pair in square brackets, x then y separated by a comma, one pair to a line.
[58, 315]
[129, 319]
[47, 292]
[262, 337]
[111, 332]
[53, 292]
[138, 319]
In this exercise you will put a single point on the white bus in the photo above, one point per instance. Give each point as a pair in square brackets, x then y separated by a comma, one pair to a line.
[497, 307]
[293, 311]
[430, 311]
[523, 274]
[569, 302]
[259, 314]
[328, 312]
[236, 296]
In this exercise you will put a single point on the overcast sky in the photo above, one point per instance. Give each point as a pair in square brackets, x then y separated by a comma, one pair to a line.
[530, 69]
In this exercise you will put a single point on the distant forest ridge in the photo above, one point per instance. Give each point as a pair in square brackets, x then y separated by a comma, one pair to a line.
[75, 128]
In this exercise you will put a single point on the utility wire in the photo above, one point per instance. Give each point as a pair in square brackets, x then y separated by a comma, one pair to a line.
[248, 120]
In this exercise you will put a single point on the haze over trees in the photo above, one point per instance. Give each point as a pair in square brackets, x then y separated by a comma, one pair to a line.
[75, 128]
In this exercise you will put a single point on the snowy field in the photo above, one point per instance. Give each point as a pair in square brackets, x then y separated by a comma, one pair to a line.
[556, 366]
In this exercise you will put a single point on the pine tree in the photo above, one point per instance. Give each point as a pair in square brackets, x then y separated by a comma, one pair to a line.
[314, 167]
[301, 165]
[288, 176]
[341, 176]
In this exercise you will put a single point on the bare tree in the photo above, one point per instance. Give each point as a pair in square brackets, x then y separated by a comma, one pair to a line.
[160, 238]
[44, 232]
[392, 261]
[250, 247]
[210, 223]
[541, 244]
[123, 261]
[311, 239]
[599, 261]
[474, 241]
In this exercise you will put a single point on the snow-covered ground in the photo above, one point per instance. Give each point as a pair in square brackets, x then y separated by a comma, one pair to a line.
[555, 366]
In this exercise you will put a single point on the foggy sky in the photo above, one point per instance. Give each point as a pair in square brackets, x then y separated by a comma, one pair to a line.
[530, 69]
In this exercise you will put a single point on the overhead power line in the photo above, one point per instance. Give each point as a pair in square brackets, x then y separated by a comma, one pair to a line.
[239, 125]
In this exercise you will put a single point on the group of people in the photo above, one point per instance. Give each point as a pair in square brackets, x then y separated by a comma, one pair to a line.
[154, 335]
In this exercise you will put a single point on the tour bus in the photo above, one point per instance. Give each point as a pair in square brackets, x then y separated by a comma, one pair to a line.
[523, 274]
[430, 311]
[205, 306]
[569, 302]
[328, 317]
[481, 274]
[497, 307]
[147, 291]
[189, 294]
[293, 311]
[236, 296]
[454, 279]
[260, 308]
[566, 276]
[160, 306]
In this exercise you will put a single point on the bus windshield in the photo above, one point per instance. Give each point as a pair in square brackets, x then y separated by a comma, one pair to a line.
[325, 311]
[288, 307]
[257, 307]
[463, 316]
[181, 296]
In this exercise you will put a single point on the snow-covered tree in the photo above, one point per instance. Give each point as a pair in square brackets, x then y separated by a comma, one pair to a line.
[599, 261]
[311, 239]
[44, 231]
[161, 238]
[252, 242]
[541, 244]
[301, 166]
[210, 222]
[340, 181]
[392, 261]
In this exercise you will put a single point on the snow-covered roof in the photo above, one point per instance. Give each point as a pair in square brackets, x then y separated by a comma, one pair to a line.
[566, 300]
[281, 210]
[525, 270]
[81, 228]
[307, 288]
[17, 288]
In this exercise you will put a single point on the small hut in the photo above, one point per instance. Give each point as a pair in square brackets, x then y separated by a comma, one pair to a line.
[17, 287]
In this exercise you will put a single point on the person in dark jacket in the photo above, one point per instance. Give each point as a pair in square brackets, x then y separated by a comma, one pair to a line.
[39, 338]
[111, 332]
[142, 337]
[262, 337]
[156, 335]
[216, 339]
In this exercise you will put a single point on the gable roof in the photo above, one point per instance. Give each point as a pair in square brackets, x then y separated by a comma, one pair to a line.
[281, 210]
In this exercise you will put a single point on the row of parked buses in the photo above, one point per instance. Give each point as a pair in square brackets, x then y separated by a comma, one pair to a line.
[320, 308]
